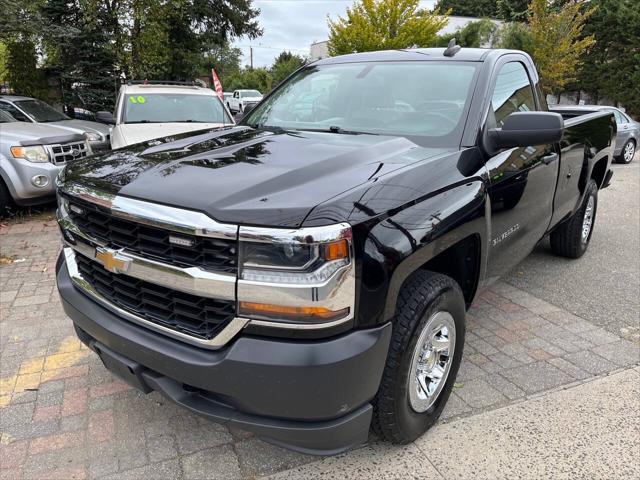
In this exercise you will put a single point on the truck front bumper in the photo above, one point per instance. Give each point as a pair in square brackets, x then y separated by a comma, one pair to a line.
[310, 396]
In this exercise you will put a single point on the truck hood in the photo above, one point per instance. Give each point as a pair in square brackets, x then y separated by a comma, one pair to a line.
[14, 132]
[82, 126]
[247, 176]
[133, 133]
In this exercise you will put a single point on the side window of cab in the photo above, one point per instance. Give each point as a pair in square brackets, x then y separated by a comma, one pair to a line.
[512, 92]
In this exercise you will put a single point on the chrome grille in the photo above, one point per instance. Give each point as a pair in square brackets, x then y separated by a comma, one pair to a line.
[182, 250]
[63, 153]
[200, 317]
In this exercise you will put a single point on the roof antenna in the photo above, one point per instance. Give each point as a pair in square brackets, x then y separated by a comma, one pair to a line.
[452, 48]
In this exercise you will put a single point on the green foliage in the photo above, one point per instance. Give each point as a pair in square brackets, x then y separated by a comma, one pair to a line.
[89, 45]
[4, 62]
[553, 37]
[383, 24]
[611, 68]
[284, 65]
[249, 78]
[512, 10]
[469, 8]
[472, 35]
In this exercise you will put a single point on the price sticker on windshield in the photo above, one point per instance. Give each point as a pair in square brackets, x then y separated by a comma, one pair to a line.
[138, 99]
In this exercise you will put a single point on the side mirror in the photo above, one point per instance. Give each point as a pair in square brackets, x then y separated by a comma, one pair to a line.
[523, 129]
[105, 117]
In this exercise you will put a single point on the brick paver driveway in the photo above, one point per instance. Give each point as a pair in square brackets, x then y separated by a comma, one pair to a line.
[62, 415]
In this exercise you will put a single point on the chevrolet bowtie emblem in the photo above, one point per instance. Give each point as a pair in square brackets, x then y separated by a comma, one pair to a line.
[110, 261]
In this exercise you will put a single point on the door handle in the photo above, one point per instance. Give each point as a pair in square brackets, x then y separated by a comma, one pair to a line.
[547, 159]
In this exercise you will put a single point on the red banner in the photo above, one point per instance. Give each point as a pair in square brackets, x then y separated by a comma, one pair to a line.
[216, 83]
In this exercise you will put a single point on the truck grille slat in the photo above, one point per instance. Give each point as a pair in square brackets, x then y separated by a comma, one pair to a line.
[200, 317]
[212, 254]
[62, 154]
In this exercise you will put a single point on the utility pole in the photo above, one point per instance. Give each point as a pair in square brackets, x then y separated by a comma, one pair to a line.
[251, 56]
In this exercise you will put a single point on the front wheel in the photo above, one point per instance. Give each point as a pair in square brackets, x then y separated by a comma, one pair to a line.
[424, 357]
[628, 151]
[572, 238]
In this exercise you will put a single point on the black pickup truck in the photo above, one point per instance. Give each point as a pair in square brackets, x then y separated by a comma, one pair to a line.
[305, 274]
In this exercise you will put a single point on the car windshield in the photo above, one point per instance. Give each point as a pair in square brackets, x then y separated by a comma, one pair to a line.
[174, 107]
[6, 117]
[425, 101]
[40, 111]
[250, 93]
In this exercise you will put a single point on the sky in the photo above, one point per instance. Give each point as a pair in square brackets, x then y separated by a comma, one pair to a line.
[293, 25]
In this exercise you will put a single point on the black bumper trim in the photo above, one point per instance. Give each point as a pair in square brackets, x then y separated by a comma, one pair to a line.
[309, 396]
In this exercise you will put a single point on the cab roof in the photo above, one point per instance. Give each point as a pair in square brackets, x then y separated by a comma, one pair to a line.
[418, 54]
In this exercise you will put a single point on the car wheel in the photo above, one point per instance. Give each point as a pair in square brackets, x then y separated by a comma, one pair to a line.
[423, 359]
[628, 151]
[5, 199]
[240, 109]
[572, 238]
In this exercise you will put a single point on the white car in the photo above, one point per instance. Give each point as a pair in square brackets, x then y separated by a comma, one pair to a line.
[243, 99]
[145, 111]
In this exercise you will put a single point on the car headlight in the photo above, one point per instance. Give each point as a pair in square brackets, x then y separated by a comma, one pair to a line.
[303, 276]
[93, 137]
[35, 153]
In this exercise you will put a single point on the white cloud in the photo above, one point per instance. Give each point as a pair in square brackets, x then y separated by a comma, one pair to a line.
[293, 25]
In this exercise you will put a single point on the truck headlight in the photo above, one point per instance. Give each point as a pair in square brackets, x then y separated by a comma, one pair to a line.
[302, 276]
[93, 137]
[34, 153]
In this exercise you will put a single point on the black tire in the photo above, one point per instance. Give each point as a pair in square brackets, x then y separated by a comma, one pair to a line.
[424, 294]
[621, 158]
[567, 240]
[5, 199]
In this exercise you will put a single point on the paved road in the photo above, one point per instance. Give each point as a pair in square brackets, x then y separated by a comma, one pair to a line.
[603, 286]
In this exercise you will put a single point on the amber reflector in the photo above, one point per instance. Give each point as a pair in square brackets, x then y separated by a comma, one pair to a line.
[290, 313]
[336, 250]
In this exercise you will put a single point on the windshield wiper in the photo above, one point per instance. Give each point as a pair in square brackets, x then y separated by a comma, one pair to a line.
[339, 130]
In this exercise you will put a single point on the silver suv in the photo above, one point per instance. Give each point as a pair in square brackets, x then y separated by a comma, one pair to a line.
[31, 155]
[26, 109]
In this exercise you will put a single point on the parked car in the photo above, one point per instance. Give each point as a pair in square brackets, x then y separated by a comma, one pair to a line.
[244, 99]
[148, 110]
[26, 109]
[227, 98]
[628, 130]
[31, 155]
[306, 273]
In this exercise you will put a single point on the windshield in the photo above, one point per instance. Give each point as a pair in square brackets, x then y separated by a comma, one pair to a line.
[5, 117]
[415, 99]
[250, 93]
[40, 111]
[174, 107]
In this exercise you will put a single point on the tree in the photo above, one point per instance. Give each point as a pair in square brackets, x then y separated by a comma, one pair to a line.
[284, 65]
[554, 39]
[611, 68]
[384, 24]
[249, 78]
[472, 35]
[512, 10]
[469, 8]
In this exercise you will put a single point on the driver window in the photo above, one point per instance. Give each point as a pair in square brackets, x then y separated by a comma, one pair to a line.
[512, 93]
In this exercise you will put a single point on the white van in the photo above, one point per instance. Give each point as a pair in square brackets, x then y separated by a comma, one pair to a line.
[148, 110]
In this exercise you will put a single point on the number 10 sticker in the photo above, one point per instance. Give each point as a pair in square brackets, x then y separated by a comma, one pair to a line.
[138, 99]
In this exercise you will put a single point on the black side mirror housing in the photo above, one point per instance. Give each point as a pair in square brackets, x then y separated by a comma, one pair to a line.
[105, 117]
[523, 129]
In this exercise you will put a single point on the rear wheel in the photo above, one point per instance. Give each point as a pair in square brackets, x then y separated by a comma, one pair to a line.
[628, 151]
[572, 238]
[424, 357]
